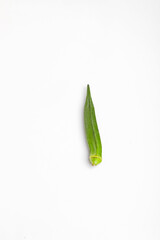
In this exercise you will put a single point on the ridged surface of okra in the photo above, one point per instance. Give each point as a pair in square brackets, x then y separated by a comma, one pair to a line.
[91, 129]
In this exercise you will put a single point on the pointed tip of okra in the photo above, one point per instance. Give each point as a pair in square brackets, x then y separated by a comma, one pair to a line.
[88, 90]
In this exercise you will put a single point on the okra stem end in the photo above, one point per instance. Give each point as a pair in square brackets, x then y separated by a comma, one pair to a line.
[95, 160]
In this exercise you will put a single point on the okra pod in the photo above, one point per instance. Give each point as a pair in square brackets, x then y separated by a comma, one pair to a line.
[92, 132]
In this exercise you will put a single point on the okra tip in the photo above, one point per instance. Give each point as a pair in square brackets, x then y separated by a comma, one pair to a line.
[88, 90]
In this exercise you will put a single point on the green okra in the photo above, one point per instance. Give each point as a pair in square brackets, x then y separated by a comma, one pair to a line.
[92, 132]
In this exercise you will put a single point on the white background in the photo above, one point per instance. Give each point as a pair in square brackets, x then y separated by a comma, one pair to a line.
[49, 51]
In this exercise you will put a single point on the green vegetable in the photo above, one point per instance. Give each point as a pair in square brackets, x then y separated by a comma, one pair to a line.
[91, 129]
